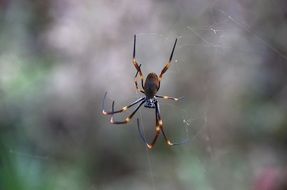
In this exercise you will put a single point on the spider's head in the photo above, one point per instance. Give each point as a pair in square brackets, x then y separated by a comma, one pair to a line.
[151, 85]
[150, 103]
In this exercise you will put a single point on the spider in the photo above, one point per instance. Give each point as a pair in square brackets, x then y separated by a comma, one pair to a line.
[149, 88]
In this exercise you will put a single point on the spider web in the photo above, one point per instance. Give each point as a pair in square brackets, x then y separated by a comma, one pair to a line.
[185, 121]
[216, 40]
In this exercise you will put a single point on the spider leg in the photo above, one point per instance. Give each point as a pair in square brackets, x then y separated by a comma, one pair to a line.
[150, 146]
[128, 119]
[136, 82]
[162, 130]
[169, 97]
[135, 63]
[165, 68]
[168, 63]
[121, 110]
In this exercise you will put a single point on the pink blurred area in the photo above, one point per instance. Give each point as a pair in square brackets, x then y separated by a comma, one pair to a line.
[271, 178]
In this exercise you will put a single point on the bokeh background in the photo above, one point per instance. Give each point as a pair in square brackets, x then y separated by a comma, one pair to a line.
[59, 57]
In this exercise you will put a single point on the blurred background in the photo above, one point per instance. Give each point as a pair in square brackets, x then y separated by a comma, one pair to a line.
[59, 57]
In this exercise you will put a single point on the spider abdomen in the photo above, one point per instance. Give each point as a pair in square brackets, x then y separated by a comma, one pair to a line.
[151, 85]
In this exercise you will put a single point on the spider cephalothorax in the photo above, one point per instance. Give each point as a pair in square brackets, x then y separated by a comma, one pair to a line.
[149, 88]
[150, 103]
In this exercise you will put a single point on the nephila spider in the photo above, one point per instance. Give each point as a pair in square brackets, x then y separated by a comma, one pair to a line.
[149, 88]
